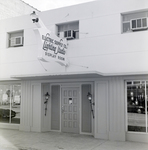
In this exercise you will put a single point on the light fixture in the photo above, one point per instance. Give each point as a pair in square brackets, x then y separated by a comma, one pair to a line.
[34, 17]
[46, 97]
[89, 97]
[46, 101]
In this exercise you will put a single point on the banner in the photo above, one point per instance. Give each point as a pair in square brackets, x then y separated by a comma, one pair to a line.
[51, 47]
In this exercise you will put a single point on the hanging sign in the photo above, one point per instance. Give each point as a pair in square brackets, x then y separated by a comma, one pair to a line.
[51, 47]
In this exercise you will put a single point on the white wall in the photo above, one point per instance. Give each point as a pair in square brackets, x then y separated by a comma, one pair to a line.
[13, 8]
[104, 49]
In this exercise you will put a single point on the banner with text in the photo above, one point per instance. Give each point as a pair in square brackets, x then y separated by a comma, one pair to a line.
[51, 47]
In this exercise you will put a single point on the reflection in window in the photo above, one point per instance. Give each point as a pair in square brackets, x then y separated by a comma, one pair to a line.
[10, 100]
[137, 106]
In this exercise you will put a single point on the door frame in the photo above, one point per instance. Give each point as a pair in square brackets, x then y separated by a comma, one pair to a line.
[72, 84]
[78, 88]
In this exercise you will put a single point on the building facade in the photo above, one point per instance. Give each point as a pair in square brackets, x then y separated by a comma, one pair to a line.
[81, 71]
[14, 8]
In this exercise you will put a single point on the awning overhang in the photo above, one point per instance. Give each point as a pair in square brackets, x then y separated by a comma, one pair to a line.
[65, 75]
[69, 75]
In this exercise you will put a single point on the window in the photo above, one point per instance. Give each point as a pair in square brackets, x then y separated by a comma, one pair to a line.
[137, 109]
[137, 21]
[10, 101]
[15, 39]
[69, 30]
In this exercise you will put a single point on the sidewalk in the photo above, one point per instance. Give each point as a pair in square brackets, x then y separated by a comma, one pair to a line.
[18, 140]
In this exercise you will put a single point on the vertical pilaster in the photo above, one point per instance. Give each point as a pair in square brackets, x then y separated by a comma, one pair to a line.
[25, 115]
[101, 110]
[116, 109]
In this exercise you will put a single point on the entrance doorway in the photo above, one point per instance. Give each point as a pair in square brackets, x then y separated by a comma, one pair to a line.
[70, 109]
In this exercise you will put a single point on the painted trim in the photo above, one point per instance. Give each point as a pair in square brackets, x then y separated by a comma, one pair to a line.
[9, 126]
[126, 117]
[137, 137]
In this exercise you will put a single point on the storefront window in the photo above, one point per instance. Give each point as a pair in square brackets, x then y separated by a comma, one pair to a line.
[10, 100]
[137, 106]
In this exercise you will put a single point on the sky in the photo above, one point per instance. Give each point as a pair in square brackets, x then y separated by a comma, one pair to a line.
[44, 5]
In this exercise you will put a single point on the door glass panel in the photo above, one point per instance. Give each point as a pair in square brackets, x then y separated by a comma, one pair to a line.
[136, 110]
[10, 100]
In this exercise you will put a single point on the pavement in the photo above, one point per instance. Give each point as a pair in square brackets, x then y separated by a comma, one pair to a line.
[18, 140]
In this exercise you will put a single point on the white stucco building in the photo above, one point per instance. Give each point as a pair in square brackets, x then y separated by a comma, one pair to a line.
[13, 8]
[106, 57]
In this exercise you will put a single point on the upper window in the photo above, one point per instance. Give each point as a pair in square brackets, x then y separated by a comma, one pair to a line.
[137, 21]
[68, 30]
[15, 38]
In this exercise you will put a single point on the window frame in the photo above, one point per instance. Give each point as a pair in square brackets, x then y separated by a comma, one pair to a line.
[68, 26]
[145, 82]
[6, 102]
[126, 17]
[13, 35]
